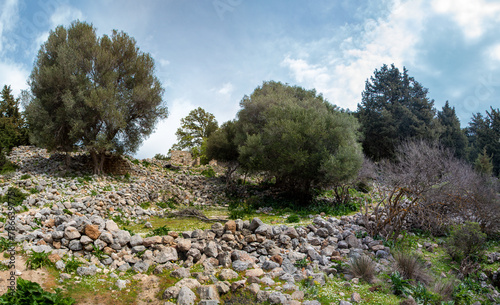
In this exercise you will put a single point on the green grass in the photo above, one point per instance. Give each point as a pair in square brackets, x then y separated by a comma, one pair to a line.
[38, 260]
[32, 293]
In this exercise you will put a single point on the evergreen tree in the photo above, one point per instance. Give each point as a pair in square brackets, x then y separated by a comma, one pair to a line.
[394, 107]
[452, 136]
[13, 131]
[484, 134]
[483, 164]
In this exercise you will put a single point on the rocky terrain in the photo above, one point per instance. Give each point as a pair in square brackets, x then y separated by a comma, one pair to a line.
[72, 217]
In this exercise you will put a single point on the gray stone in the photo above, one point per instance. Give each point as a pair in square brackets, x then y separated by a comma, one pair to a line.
[256, 222]
[141, 267]
[342, 303]
[208, 293]
[264, 229]
[71, 233]
[183, 245]
[124, 267]
[186, 297]
[276, 297]
[181, 273]
[111, 226]
[171, 292]
[352, 241]
[85, 240]
[314, 302]
[227, 274]
[107, 237]
[85, 271]
[342, 245]
[211, 249]
[60, 265]
[121, 237]
[240, 265]
[75, 245]
[137, 249]
[136, 240]
[270, 265]
[167, 254]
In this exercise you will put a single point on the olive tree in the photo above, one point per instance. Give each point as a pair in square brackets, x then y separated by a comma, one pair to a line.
[99, 93]
[294, 135]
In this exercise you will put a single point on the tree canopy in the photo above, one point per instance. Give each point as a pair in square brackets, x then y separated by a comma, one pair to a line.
[484, 138]
[195, 129]
[292, 134]
[99, 93]
[394, 107]
[452, 136]
[13, 131]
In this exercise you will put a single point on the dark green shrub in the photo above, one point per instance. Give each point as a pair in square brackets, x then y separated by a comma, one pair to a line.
[466, 241]
[32, 293]
[14, 196]
[160, 231]
[161, 157]
[400, 285]
[209, 172]
[293, 218]
[422, 295]
[25, 176]
[6, 166]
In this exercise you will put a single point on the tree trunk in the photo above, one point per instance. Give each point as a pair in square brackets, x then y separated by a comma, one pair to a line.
[98, 161]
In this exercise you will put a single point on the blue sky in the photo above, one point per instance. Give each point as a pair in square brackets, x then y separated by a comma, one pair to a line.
[211, 53]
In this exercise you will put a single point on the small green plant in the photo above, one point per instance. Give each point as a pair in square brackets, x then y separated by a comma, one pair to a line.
[400, 285]
[25, 176]
[6, 166]
[238, 209]
[98, 253]
[94, 193]
[145, 205]
[160, 231]
[28, 292]
[362, 267]
[5, 244]
[72, 264]
[135, 161]
[209, 172]
[466, 241]
[293, 218]
[66, 211]
[301, 263]
[145, 163]
[37, 260]
[424, 296]
[161, 157]
[126, 177]
[14, 196]
[170, 203]
[34, 190]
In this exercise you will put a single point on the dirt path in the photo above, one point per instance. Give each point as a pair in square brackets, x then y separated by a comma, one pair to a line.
[40, 276]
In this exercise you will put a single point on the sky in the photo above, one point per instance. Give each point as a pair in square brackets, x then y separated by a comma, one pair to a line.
[211, 53]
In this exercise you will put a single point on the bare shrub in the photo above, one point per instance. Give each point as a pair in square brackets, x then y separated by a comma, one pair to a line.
[411, 267]
[427, 188]
[362, 267]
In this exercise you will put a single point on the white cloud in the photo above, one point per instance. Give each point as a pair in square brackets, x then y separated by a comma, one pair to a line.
[164, 136]
[494, 52]
[226, 89]
[63, 15]
[474, 17]
[8, 16]
[14, 75]
[340, 75]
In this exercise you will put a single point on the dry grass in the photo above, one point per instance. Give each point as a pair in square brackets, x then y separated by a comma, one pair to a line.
[411, 267]
[362, 267]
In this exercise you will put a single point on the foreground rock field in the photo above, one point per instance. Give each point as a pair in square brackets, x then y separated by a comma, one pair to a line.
[82, 217]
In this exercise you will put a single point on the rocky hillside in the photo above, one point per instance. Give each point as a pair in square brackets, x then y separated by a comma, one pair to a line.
[70, 214]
